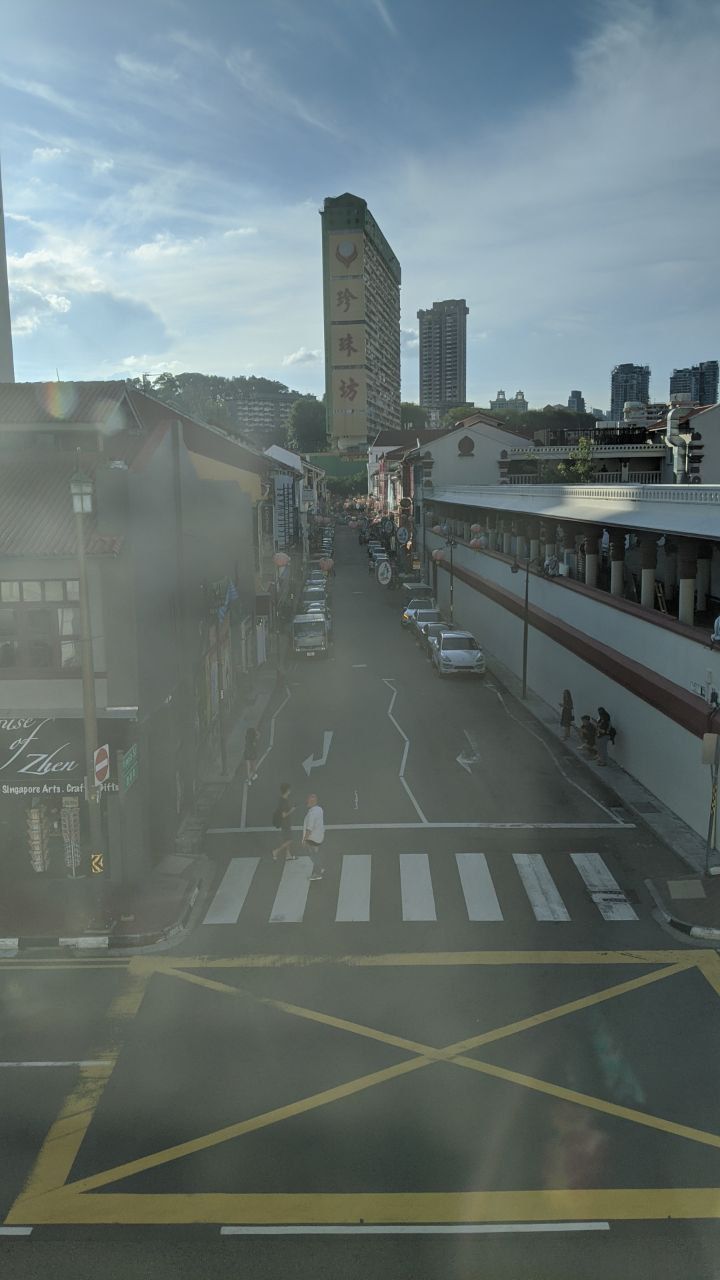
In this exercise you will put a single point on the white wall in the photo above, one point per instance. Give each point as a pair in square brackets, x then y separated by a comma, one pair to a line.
[662, 756]
[481, 467]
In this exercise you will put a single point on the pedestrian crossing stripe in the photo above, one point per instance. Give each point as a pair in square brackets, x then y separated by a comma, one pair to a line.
[417, 893]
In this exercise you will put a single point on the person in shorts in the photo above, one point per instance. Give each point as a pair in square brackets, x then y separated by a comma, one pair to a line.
[314, 835]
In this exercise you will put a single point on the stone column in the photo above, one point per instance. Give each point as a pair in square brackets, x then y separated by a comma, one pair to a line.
[521, 543]
[648, 562]
[617, 562]
[702, 577]
[550, 536]
[507, 538]
[687, 571]
[592, 538]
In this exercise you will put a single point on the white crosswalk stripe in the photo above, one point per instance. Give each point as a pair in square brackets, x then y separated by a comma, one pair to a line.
[418, 900]
[579, 883]
[603, 887]
[540, 887]
[478, 889]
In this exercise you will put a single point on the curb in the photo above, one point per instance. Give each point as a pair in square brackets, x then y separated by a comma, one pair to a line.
[706, 932]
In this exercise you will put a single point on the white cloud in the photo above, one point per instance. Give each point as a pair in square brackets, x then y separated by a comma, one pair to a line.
[100, 165]
[148, 72]
[165, 246]
[265, 90]
[303, 356]
[44, 93]
[43, 154]
[384, 13]
[239, 231]
[409, 339]
[32, 307]
[134, 365]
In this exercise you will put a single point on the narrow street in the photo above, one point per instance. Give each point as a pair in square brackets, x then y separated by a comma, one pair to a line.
[469, 1050]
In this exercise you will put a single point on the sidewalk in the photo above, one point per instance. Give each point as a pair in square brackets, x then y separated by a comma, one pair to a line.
[94, 915]
[690, 904]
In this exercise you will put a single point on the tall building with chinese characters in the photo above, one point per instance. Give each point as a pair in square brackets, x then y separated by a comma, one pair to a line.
[443, 355]
[361, 292]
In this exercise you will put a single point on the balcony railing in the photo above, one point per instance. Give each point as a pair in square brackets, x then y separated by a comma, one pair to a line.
[598, 477]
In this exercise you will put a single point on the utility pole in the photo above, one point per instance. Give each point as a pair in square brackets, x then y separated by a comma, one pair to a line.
[81, 488]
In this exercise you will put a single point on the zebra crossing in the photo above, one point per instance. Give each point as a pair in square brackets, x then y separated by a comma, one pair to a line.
[585, 880]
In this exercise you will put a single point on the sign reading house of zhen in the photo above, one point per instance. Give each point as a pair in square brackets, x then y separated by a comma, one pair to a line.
[43, 757]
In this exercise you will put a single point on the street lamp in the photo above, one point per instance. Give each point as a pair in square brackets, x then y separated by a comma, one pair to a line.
[515, 568]
[81, 489]
[451, 543]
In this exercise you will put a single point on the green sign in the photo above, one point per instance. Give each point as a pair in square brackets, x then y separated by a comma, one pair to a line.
[130, 767]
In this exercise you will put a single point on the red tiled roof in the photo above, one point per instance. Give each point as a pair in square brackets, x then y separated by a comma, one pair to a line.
[36, 515]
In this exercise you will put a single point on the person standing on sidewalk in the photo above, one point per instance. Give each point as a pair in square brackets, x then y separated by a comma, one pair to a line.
[567, 713]
[281, 819]
[605, 734]
[252, 743]
[314, 835]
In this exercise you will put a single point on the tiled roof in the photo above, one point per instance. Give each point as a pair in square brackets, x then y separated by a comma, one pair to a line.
[407, 438]
[52, 403]
[36, 515]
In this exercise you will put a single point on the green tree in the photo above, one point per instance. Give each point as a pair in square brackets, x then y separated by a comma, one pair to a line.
[580, 465]
[455, 415]
[348, 486]
[307, 430]
[413, 417]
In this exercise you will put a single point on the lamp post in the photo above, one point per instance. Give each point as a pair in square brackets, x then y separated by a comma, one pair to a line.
[451, 543]
[81, 489]
[515, 568]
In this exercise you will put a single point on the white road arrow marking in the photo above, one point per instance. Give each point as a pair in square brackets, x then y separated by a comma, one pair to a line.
[311, 762]
[465, 760]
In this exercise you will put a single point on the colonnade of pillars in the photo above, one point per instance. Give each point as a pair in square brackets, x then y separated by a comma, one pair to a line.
[686, 569]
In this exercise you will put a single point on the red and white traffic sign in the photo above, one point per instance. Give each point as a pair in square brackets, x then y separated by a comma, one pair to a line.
[101, 765]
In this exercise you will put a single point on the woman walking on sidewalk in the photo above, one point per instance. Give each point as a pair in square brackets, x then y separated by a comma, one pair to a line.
[281, 819]
[567, 713]
[605, 735]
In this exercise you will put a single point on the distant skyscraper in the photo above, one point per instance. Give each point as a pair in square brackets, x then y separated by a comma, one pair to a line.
[443, 355]
[576, 402]
[516, 403]
[699, 381]
[628, 382]
[7, 372]
[361, 289]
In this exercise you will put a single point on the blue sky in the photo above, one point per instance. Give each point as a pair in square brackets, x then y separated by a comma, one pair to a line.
[555, 163]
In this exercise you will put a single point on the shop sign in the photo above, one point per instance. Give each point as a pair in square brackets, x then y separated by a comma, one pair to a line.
[42, 757]
[130, 767]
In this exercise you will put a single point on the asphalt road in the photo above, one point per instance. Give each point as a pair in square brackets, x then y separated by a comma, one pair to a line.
[468, 1051]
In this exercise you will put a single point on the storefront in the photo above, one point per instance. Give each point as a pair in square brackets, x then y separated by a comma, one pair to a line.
[43, 811]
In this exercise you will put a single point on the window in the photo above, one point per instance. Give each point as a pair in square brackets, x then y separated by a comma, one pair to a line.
[40, 625]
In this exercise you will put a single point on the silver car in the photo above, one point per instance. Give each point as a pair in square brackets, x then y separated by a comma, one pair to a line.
[430, 636]
[412, 607]
[422, 619]
[457, 652]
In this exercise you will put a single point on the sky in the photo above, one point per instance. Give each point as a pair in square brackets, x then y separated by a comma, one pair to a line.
[557, 164]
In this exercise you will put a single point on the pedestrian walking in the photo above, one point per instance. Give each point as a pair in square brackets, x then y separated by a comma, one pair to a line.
[314, 835]
[281, 819]
[605, 734]
[567, 713]
[252, 743]
[588, 735]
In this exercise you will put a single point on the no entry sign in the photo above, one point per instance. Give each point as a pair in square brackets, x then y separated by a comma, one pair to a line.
[101, 763]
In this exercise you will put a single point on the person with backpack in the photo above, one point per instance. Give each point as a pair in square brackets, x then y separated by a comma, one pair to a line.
[281, 819]
[605, 734]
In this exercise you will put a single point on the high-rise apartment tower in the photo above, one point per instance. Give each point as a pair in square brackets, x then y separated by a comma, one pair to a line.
[361, 290]
[699, 381]
[443, 355]
[628, 382]
[7, 373]
[576, 402]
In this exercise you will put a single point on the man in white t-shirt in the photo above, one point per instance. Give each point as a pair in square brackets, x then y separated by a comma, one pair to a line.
[313, 836]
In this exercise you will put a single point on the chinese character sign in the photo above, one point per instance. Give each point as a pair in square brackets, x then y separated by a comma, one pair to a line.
[348, 344]
[349, 391]
[346, 254]
[347, 301]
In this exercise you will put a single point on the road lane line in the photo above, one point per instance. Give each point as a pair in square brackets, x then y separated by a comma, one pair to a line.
[15, 1231]
[232, 891]
[413, 1229]
[72, 1062]
[540, 887]
[418, 900]
[406, 749]
[440, 826]
[291, 897]
[603, 887]
[481, 899]
[354, 894]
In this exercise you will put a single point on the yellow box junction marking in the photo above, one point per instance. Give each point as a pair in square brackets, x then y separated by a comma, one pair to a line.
[49, 1198]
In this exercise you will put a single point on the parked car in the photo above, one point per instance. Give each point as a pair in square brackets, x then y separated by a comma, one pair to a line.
[417, 591]
[310, 635]
[458, 652]
[412, 607]
[421, 618]
[314, 595]
[431, 632]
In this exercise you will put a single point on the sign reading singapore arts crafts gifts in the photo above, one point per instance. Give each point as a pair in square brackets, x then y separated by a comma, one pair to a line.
[42, 757]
